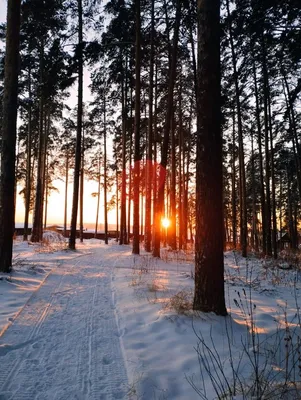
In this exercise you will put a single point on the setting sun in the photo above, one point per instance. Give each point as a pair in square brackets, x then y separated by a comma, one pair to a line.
[165, 222]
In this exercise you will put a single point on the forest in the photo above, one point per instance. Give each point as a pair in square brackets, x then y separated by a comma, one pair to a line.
[176, 88]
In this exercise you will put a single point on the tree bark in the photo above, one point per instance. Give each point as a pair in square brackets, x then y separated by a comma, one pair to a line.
[164, 154]
[81, 191]
[242, 174]
[254, 211]
[209, 292]
[66, 191]
[123, 236]
[28, 161]
[233, 193]
[78, 148]
[273, 183]
[149, 155]
[172, 240]
[259, 138]
[98, 195]
[9, 133]
[105, 170]
[137, 157]
[36, 233]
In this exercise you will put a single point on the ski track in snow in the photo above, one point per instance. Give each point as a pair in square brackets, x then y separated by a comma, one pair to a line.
[65, 344]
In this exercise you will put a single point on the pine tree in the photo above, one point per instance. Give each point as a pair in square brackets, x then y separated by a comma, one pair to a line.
[209, 257]
[9, 129]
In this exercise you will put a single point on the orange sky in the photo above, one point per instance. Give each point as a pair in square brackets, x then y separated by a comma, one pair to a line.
[55, 212]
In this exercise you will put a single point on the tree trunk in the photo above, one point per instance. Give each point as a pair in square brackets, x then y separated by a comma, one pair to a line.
[290, 209]
[137, 157]
[155, 173]
[78, 148]
[117, 207]
[233, 194]
[181, 170]
[36, 233]
[164, 154]
[81, 192]
[259, 134]
[130, 169]
[194, 66]
[98, 195]
[242, 174]
[28, 161]
[273, 183]
[209, 257]
[149, 156]
[266, 92]
[123, 237]
[254, 211]
[9, 133]
[46, 193]
[172, 192]
[105, 200]
[66, 192]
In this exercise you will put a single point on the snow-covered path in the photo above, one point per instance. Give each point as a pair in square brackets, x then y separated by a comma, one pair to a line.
[65, 344]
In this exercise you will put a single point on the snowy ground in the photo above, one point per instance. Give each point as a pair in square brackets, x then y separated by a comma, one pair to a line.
[100, 323]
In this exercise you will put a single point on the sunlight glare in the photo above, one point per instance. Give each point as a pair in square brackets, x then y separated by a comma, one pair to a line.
[165, 222]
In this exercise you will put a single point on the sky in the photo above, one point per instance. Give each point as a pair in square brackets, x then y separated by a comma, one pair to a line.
[2, 10]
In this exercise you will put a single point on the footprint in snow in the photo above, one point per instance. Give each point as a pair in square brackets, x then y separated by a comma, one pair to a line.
[106, 360]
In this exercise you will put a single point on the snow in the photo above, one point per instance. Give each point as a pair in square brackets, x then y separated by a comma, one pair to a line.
[101, 323]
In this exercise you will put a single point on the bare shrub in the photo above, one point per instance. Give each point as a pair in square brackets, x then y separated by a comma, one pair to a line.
[52, 241]
[181, 302]
[274, 360]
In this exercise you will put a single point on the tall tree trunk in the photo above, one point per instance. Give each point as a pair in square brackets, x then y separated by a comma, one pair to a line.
[209, 256]
[105, 192]
[280, 206]
[259, 138]
[123, 236]
[98, 195]
[130, 168]
[78, 147]
[290, 208]
[45, 170]
[242, 174]
[66, 192]
[28, 160]
[167, 24]
[172, 192]
[81, 192]
[9, 133]
[117, 207]
[164, 153]
[194, 66]
[137, 157]
[186, 179]
[273, 183]
[155, 177]
[266, 92]
[36, 233]
[46, 193]
[233, 193]
[254, 211]
[295, 237]
[149, 155]
[181, 169]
